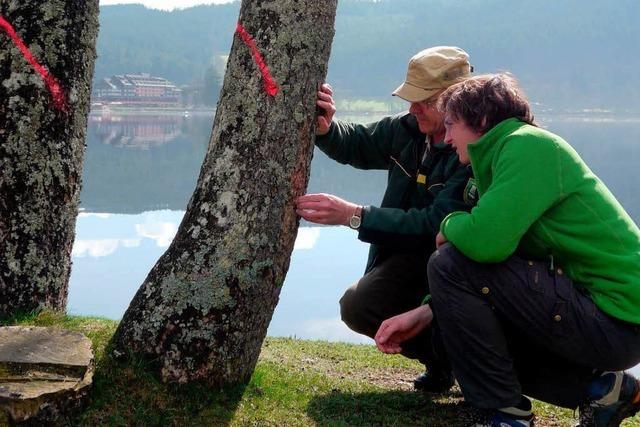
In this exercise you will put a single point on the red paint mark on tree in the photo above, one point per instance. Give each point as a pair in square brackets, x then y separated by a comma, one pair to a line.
[57, 94]
[270, 85]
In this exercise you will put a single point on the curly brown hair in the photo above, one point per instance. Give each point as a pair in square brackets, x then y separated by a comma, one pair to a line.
[484, 101]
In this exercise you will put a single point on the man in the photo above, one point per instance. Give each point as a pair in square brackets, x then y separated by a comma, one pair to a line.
[537, 289]
[426, 182]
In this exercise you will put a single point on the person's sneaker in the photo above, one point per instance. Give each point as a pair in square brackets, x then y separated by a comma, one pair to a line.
[500, 419]
[434, 381]
[611, 398]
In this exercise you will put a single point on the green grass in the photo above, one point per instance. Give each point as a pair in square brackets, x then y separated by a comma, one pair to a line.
[296, 383]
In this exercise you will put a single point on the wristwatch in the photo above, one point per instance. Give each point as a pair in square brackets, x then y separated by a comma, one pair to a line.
[356, 219]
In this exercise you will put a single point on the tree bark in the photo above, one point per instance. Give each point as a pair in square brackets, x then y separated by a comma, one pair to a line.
[42, 130]
[203, 311]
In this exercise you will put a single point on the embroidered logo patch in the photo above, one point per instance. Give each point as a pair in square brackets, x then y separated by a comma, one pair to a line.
[470, 195]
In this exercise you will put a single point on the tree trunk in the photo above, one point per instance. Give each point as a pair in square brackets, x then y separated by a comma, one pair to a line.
[203, 311]
[44, 101]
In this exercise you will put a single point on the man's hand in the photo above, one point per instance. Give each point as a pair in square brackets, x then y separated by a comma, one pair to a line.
[325, 209]
[396, 330]
[326, 107]
[440, 240]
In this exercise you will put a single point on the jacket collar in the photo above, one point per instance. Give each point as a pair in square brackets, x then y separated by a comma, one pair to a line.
[483, 151]
[410, 123]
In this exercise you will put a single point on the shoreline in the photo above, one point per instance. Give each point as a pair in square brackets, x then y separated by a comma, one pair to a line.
[149, 111]
[585, 115]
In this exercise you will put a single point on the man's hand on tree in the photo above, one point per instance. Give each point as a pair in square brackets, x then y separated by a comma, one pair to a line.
[396, 330]
[326, 109]
[325, 209]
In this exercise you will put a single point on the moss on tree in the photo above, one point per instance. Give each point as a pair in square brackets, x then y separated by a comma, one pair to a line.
[203, 311]
[42, 148]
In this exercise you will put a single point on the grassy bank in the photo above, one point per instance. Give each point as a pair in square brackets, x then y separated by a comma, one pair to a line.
[296, 383]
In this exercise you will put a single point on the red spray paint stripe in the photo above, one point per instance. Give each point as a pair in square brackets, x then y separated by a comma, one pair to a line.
[270, 85]
[59, 99]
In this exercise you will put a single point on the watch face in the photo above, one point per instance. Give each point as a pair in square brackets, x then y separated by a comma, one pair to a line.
[354, 222]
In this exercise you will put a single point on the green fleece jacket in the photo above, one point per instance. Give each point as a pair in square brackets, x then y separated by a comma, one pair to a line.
[537, 196]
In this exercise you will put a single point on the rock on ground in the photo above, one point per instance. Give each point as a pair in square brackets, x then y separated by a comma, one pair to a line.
[44, 373]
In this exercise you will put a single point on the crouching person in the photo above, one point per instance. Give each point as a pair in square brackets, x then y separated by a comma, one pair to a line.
[426, 182]
[536, 291]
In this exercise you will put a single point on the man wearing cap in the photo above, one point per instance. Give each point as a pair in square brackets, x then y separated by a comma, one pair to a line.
[425, 183]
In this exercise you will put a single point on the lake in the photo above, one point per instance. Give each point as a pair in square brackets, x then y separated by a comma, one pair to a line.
[140, 171]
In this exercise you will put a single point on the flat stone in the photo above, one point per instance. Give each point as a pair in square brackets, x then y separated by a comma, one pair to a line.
[44, 372]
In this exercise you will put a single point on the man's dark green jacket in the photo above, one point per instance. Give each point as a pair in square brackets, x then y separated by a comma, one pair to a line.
[424, 185]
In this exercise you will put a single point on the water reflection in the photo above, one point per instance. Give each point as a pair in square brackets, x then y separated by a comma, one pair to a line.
[126, 173]
[113, 253]
[141, 170]
[136, 130]
[148, 162]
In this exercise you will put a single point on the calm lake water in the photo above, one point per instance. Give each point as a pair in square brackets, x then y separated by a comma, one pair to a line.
[140, 171]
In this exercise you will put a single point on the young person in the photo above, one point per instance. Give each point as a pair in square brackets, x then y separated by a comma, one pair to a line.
[537, 289]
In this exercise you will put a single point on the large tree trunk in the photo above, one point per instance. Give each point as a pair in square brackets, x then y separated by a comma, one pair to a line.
[203, 311]
[44, 102]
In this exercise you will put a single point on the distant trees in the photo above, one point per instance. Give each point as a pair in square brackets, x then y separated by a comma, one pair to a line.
[178, 45]
[374, 41]
[211, 87]
[43, 117]
[203, 310]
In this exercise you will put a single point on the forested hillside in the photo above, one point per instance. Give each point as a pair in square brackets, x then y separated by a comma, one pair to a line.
[568, 54]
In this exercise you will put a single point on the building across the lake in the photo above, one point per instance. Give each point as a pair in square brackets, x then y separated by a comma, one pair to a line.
[137, 89]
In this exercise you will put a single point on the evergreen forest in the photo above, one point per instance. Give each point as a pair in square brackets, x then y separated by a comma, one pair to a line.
[568, 54]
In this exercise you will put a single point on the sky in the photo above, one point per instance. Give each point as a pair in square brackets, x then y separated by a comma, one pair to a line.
[165, 4]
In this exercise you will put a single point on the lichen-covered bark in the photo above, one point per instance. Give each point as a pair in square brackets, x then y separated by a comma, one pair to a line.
[203, 311]
[42, 147]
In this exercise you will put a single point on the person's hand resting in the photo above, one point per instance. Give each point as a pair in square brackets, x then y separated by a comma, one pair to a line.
[326, 108]
[325, 209]
[396, 330]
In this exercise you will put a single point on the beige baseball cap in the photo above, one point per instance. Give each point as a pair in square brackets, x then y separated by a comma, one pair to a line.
[432, 70]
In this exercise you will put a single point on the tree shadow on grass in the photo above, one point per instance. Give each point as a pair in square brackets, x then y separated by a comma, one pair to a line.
[389, 408]
[126, 393]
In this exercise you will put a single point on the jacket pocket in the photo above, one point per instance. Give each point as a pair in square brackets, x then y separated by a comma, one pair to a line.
[535, 276]
[434, 185]
[563, 322]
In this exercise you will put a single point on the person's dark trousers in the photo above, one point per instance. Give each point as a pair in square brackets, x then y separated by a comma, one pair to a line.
[518, 327]
[397, 283]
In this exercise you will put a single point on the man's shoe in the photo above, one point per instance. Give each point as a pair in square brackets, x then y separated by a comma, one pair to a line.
[434, 381]
[611, 398]
[500, 419]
